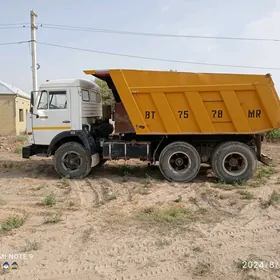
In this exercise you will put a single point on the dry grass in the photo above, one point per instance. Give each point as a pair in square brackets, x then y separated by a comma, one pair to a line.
[163, 242]
[20, 141]
[12, 222]
[31, 245]
[202, 269]
[273, 135]
[171, 215]
[220, 184]
[264, 172]
[142, 190]
[246, 194]
[261, 176]
[65, 181]
[52, 218]
[257, 183]
[273, 200]
[86, 234]
[18, 149]
[178, 199]
[49, 200]
[111, 197]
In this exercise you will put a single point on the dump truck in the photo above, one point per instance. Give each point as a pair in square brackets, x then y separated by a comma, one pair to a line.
[178, 120]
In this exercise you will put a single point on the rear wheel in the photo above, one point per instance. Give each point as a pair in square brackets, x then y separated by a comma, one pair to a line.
[234, 161]
[72, 160]
[179, 162]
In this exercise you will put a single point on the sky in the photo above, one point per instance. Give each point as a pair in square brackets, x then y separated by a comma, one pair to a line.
[234, 18]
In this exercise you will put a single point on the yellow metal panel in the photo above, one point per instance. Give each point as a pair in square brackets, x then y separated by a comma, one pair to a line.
[235, 111]
[201, 115]
[149, 112]
[270, 104]
[162, 102]
[222, 127]
[129, 102]
[165, 113]
[159, 89]
[90, 72]
[182, 111]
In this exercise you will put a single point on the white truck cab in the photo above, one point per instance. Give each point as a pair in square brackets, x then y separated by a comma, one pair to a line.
[63, 105]
[63, 120]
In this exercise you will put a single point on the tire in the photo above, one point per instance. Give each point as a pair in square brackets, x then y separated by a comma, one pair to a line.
[79, 167]
[234, 161]
[179, 162]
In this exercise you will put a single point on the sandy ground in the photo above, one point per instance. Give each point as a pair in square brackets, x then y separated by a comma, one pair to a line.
[128, 223]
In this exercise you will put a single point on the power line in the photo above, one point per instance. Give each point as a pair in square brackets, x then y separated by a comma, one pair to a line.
[11, 24]
[122, 32]
[14, 43]
[13, 27]
[159, 59]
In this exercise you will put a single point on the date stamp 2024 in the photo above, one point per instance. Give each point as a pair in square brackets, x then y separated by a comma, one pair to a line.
[259, 265]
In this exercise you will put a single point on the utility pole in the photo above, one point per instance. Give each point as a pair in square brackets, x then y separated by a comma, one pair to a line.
[33, 50]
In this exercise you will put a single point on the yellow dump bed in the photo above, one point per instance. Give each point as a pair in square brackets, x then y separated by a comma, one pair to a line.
[160, 102]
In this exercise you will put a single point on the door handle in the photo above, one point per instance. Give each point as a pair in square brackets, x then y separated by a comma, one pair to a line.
[43, 117]
[66, 122]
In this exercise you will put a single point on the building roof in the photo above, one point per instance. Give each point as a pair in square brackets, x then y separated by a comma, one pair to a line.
[11, 89]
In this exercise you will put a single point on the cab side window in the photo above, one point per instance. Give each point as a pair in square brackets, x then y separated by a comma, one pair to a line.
[43, 101]
[85, 95]
[98, 97]
[58, 100]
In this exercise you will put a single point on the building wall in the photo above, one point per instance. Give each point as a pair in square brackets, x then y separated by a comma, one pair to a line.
[7, 114]
[22, 106]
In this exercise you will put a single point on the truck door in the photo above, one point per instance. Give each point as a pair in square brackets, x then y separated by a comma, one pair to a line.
[53, 115]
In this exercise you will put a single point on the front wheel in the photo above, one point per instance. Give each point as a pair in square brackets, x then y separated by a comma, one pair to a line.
[179, 162]
[72, 160]
[234, 161]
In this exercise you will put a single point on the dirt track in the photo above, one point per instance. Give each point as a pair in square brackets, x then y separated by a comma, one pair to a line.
[128, 223]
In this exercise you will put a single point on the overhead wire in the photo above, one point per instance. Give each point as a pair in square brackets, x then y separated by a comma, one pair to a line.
[158, 59]
[122, 32]
[14, 43]
[11, 24]
[76, 28]
[13, 27]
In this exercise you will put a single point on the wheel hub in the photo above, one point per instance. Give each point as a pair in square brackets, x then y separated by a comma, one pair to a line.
[71, 161]
[233, 162]
[179, 161]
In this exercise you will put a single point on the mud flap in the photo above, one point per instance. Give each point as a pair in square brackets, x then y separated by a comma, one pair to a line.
[95, 159]
[265, 159]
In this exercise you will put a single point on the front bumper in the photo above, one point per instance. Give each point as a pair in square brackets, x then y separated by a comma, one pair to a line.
[28, 151]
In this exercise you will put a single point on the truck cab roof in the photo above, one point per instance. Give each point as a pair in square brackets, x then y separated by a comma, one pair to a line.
[65, 83]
